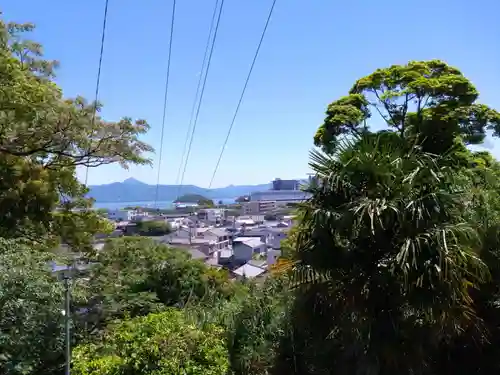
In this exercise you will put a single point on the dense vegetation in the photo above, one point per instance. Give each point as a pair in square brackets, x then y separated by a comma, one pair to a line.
[393, 267]
[192, 198]
[153, 227]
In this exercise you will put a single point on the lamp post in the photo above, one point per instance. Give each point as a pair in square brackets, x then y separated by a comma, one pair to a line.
[67, 320]
[65, 275]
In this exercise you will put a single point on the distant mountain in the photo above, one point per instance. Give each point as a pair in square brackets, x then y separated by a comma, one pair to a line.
[132, 190]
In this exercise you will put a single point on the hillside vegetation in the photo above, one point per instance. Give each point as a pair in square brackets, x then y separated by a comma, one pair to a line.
[393, 267]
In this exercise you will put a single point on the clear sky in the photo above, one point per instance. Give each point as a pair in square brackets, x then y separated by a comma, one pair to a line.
[313, 52]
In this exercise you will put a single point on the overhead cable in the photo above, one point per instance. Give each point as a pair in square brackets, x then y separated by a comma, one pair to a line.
[193, 130]
[242, 93]
[98, 79]
[196, 97]
[165, 97]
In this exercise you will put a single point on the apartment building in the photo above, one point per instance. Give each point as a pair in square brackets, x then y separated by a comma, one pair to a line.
[258, 207]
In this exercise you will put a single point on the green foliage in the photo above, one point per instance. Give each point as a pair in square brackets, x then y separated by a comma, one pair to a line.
[190, 198]
[384, 247]
[205, 202]
[153, 228]
[160, 344]
[31, 323]
[134, 276]
[253, 321]
[395, 258]
[427, 102]
[43, 138]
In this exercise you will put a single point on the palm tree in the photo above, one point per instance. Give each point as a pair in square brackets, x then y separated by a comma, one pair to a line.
[385, 260]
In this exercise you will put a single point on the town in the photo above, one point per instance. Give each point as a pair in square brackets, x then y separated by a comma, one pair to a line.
[247, 244]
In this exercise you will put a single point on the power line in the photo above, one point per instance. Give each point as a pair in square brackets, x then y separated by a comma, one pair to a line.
[165, 101]
[242, 92]
[98, 80]
[201, 93]
[207, 47]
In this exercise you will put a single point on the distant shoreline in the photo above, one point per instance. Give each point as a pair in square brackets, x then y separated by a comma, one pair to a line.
[160, 204]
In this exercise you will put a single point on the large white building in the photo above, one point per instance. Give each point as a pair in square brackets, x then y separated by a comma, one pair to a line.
[255, 207]
[126, 215]
[279, 196]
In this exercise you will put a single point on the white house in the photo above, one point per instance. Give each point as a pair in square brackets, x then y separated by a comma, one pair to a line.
[245, 247]
[126, 215]
[218, 236]
[212, 215]
[249, 270]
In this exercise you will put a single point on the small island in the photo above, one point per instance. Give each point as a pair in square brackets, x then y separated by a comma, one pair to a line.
[200, 200]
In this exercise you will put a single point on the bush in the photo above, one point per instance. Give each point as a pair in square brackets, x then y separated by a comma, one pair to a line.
[163, 344]
[153, 228]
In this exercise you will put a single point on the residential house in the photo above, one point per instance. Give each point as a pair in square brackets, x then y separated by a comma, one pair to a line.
[245, 247]
[212, 215]
[219, 236]
[272, 236]
[249, 270]
[126, 215]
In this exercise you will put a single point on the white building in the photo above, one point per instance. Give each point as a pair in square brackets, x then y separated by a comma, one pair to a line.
[250, 270]
[277, 196]
[212, 215]
[126, 215]
[245, 247]
[258, 207]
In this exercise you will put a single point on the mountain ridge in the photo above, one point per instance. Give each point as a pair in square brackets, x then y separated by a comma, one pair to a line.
[133, 190]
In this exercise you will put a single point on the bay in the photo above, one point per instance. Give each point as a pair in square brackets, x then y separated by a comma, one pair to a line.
[159, 204]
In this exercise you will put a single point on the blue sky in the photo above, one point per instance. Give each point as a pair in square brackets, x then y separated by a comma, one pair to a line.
[313, 52]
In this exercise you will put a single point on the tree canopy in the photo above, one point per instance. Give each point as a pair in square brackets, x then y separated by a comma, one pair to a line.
[31, 322]
[428, 102]
[163, 343]
[44, 137]
[396, 249]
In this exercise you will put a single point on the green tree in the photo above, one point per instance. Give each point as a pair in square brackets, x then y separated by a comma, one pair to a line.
[205, 202]
[31, 322]
[430, 109]
[153, 228]
[163, 344]
[424, 102]
[386, 258]
[43, 138]
[134, 276]
[477, 349]
[115, 286]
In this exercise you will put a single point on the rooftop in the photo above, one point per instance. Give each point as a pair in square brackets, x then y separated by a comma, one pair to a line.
[220, 232]
[249, 241]
[249, 270]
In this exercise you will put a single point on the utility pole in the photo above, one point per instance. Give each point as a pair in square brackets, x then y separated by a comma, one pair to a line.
[67, 324]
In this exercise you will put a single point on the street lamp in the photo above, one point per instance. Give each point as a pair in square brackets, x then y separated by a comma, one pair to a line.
[65, 273]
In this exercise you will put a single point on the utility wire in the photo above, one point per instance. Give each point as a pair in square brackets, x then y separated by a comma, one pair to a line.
[207, 48]
[165, 101]
[242, 93]
[98, 80]
[193, 130]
